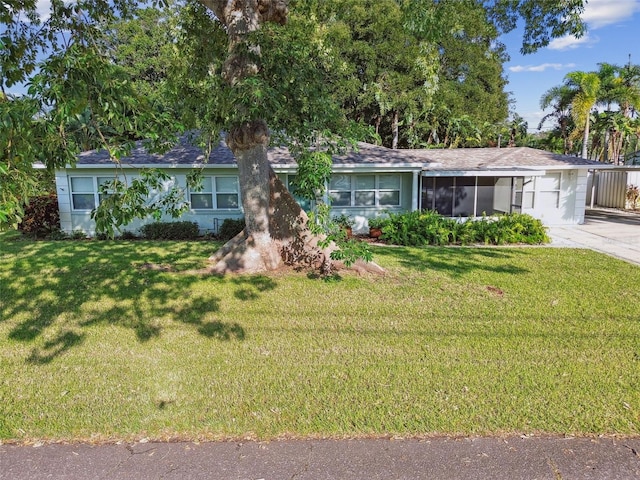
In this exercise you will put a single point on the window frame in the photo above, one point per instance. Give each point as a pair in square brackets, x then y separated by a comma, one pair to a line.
[542, 191]
[354, 191]
[96, 182]
[213, 192]
[73, 192]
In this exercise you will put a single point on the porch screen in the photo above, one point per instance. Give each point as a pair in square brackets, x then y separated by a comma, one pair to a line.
[467, 196]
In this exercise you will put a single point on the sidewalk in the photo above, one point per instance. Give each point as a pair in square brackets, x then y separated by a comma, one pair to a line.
[607, 231]
[552, 458]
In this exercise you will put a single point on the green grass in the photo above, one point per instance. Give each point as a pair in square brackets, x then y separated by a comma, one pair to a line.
[456, 341]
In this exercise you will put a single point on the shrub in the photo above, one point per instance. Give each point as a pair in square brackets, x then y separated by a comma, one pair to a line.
[377, 222]
[230, 228]
[127, 235]
[57, 234]
[431, 228]
[170, 231]
[41, 216]
[80, 235]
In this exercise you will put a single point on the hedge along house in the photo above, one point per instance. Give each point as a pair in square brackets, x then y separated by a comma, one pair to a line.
[365, 183]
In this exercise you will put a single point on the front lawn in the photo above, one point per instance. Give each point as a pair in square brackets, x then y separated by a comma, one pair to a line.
[112, 340]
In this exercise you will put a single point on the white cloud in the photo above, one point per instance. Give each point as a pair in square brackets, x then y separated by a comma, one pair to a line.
[43, 7]
[533, 120]
[599, 13]
[540, 68]
[568, 42]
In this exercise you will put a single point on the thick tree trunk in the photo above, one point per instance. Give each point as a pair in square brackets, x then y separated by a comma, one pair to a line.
[276, 231]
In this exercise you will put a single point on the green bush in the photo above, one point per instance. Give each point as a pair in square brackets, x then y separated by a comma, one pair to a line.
[431, 228]
[170, 231]
[127, 235]
[41, 216]
[230, 228]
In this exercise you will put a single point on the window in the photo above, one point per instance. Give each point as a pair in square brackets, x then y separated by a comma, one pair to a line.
[217, 193]
[227, 192]
[524, 196]
[83, 193]
[364, 190]
[389, 190]
[549, 190]
[340, 190]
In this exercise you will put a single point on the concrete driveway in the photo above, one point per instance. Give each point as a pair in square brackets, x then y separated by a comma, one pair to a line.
[608, 231]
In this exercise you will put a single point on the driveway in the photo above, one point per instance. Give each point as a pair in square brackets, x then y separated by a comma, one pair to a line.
[613, 232]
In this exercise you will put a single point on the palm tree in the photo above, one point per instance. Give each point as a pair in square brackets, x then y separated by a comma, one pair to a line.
[618, 86]
[517, 129]
[559, 99]
[586, 86]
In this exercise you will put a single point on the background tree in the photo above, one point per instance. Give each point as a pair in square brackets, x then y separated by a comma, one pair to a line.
[614, 91]
[471, 81]
[387, 75]
[585, 86]
[559, 99]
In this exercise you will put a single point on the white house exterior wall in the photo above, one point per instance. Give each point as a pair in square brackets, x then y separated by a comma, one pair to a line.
[71, 220]
[64, 201]
[572, 198]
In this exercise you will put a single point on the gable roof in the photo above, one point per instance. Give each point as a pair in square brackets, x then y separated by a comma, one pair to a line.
[454, 160]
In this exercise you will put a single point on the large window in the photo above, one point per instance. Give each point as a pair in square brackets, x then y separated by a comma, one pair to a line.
[85, 192]
[217, 193]
[349, 190]
[524, 194]
[475, 196]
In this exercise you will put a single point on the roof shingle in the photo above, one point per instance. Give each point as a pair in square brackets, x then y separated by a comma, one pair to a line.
[459, 159]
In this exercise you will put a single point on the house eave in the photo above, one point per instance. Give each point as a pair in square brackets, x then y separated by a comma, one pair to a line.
[356, 167]
[137, 166]
[485, 173]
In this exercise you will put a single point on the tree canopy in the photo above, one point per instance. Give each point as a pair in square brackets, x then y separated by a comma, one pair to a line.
[600, 107]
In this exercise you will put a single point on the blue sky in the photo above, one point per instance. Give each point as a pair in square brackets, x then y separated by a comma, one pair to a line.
[613, 35]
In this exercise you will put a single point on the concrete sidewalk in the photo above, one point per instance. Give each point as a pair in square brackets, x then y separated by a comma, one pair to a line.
[552, 458]
[608, 231]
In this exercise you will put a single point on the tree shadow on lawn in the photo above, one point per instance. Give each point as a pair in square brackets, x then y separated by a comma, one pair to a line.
[455, 261]
[66, 287]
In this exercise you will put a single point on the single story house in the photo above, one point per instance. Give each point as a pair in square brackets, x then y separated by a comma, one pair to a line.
[365, 183]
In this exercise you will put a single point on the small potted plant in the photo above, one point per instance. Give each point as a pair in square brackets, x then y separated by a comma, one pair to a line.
[375, 226]
[346, 223]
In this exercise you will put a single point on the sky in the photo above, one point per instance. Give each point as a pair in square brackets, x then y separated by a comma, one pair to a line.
[613, 34]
